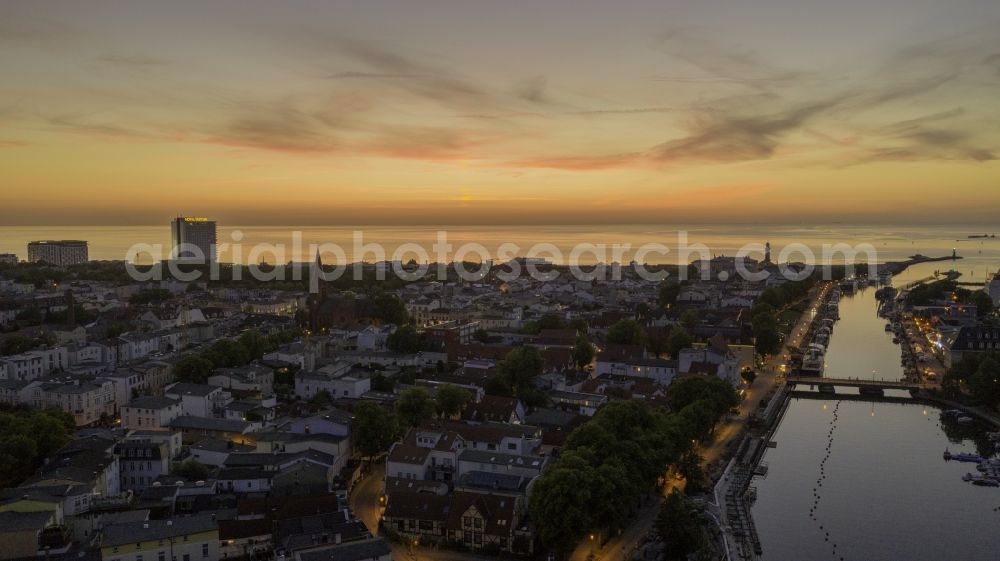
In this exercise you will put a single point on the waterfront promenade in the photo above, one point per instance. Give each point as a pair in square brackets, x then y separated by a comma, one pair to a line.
[727, 435]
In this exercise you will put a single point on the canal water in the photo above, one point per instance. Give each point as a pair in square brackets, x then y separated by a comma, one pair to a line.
[886, 493]
[860, 347]
[859, 481]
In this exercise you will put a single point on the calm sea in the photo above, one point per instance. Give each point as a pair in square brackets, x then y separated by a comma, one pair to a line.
[890, 242]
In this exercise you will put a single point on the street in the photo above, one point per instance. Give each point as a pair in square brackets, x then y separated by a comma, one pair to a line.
[365, 498]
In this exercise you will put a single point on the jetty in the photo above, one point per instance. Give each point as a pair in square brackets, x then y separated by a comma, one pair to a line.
[896, 267]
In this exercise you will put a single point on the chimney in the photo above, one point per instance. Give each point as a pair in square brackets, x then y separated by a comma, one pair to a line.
[336, 538]
[170, 522]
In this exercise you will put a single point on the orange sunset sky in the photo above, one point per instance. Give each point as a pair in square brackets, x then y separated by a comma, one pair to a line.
[464, 112]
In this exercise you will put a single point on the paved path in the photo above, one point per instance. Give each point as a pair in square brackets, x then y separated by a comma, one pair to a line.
[365, 498]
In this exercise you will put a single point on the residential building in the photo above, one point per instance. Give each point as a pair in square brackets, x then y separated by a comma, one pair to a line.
[973, 340]
[199, 400]
[150, 412]
[141, 462]
[339, 380]
[722, 362]
[660, 370]
[452, 332]
[374, 549]
[192, 538]
[479, 520]
[417, 514]
[992, 289]
[20, 533]
[194, 429]
[253, 379]
[374, 337]
[470, 461]
[58, 252]
[86, 401]
[215, 452]
[495, 409]
[34, 364]
[136, 345]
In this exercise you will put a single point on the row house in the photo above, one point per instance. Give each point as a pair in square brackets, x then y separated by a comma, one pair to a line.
[456, 332]
[374, 337]
[214, 452]
[150, 412]
[135, 345]
[141, 462]
[34, 364]
[194, 429]
[13, 392]
[91, 353]
[199, 400]
[254, 379]
[86, 401]
[661, 370]
[192, 538]
[156, 374]
[420, 308]
[128, 385]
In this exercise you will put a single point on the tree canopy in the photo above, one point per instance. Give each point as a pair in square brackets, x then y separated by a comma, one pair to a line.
[414, 406]
[29, 436]
[519, 368]
[404, 340]
[610, 462]
[627, 332]
[194, 369]
[388, 308]
[679, 525]
[583, 352]
[374, 428]
[680, 339]
[451, 400]
[191, 470]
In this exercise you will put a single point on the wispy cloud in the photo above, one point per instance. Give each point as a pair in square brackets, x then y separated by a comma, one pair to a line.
[626, 111]
[576, 163]
[724, 136]
[90, 125]
[132, 61]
